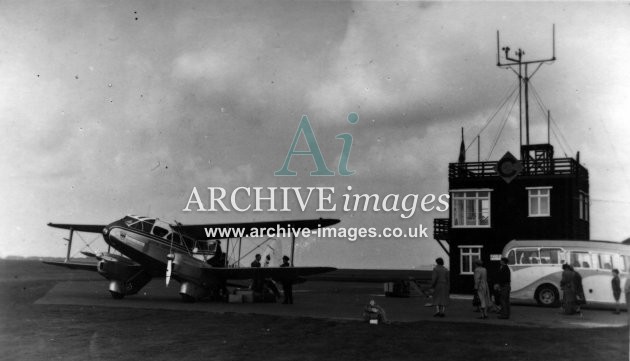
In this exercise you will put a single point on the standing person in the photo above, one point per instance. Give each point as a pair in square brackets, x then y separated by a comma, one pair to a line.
[503, 284]
[257, 282]
[626, 290]
[441, 286]
[481, 288]
[616, 288]
[287, 285]
[268, 260]
[568, 286]
[580, 298]
[256, 262]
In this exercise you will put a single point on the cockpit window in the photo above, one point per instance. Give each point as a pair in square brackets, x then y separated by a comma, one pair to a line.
[159, 231]
[147, 224]
[129, 220]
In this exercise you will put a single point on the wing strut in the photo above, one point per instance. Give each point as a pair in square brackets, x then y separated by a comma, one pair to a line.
[292, 248]
[240, 243]
[226, 262]
[69, 239]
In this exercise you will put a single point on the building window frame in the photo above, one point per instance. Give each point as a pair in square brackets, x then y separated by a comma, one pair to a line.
[471, 253]
[538, 195]
[583, 206]
[480, 198]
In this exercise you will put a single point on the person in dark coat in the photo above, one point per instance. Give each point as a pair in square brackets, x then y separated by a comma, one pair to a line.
[256, 262]
[503, 281]
[616, 289]
[257, 282]
[287, 285]
[580, 298]
[568, 286]
[440, 284]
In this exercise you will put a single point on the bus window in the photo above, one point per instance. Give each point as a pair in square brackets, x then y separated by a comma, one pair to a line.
[625, 263]
[605, 261]
[619, 263]
[550, 255]
[595, 261]
[580, 260]
[527, 256]
[511, 257]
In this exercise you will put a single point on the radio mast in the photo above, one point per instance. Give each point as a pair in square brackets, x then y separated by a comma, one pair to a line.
[524, 76]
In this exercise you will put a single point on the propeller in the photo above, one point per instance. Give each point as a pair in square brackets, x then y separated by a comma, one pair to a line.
[169, 267]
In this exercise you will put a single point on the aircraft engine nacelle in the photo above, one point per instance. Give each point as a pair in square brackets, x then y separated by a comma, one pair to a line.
[125, 278]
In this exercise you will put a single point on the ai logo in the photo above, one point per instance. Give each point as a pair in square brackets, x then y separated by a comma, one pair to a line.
[508, 167]
[305, 129]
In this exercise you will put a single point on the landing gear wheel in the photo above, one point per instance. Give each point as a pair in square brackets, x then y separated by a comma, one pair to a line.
[547, 296]
[117, 295]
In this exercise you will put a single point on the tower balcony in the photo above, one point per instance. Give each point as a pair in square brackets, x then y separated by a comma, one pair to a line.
[531, 167]
[440, 229]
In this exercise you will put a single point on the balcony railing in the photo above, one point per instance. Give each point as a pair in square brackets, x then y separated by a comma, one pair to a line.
[559, 166]
[440, 229]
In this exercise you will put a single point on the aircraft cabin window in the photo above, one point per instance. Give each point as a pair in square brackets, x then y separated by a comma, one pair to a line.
[175, 238]
[189, 243]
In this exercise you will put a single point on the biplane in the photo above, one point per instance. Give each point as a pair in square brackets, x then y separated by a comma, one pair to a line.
[150, 248]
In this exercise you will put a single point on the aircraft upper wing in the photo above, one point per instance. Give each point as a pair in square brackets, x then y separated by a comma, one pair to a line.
[198, 231]
[276, 273]
[94, 228]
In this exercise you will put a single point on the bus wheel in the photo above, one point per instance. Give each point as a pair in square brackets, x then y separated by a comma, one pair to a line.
[547, 295]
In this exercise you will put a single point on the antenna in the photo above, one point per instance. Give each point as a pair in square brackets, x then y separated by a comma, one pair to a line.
[524, 76]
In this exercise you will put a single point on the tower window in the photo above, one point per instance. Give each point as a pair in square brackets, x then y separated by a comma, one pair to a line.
[583, 200]
[471, 208]
[539, 201]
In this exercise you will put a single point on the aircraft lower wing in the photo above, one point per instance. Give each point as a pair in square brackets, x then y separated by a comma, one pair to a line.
[74, 265]
[276, 273]
[373, 275]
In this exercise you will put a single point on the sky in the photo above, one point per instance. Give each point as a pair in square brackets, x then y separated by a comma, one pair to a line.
[122, 107]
